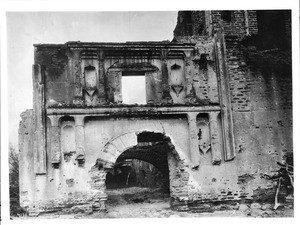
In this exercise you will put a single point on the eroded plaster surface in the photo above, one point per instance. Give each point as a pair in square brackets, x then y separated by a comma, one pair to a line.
[215, 116]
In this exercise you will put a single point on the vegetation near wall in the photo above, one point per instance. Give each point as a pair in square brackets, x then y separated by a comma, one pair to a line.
[15, 209]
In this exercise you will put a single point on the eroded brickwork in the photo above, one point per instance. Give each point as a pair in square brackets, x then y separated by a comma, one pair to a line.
[260, 80]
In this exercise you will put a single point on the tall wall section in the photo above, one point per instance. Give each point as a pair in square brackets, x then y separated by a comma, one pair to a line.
[259, 74]
[79, 120]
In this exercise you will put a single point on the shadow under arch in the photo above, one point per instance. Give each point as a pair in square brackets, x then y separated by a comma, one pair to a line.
[131, 144]
[119, 144]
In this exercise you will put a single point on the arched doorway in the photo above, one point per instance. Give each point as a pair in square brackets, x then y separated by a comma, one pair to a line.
[141, 173]
[122, 153]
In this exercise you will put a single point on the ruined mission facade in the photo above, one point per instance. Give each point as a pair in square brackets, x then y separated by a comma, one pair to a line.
[217, 113]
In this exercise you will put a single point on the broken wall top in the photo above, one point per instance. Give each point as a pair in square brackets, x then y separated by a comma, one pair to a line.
[79, 74]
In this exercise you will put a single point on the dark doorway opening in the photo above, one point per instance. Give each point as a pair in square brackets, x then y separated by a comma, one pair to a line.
[141, 173]
[135, 173]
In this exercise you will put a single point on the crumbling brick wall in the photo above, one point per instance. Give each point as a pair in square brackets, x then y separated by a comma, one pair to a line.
[260, 80]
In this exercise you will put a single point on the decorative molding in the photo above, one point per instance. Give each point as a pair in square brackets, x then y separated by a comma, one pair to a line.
[175, 66]
[177, 89]
[188, 53]
[193, 139]
[214, 138]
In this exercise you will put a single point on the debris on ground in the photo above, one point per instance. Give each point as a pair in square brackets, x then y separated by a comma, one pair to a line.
[138, 202]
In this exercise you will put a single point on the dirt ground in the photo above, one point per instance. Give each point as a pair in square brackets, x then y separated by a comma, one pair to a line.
[136, 202]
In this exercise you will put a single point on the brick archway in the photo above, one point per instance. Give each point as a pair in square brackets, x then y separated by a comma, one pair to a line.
[119, 144]
[178, 164]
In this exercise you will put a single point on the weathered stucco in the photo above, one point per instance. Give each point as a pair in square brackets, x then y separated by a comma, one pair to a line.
[218, 116]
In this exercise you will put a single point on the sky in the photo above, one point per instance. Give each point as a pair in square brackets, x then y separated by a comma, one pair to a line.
[27, 28]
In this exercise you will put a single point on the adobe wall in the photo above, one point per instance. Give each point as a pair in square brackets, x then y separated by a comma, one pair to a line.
[222, 101]
[72, 183]
[65, 65]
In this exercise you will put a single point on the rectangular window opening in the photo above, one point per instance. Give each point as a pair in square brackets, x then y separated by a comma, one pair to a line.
[134, 89]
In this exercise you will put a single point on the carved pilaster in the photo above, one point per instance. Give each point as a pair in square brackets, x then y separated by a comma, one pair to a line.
[166, 97]
[193, 139]
[208, 22]
[78, 98]
[214, 137]
[189, 73]
[114, 83]
[79, 138]
[102, 83]
[224, 98]
[246, 17]
[39, 142]
[55, 141]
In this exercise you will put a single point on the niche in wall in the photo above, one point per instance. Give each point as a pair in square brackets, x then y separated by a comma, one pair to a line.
[177, 83]
[90, 88]
[68, 137]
